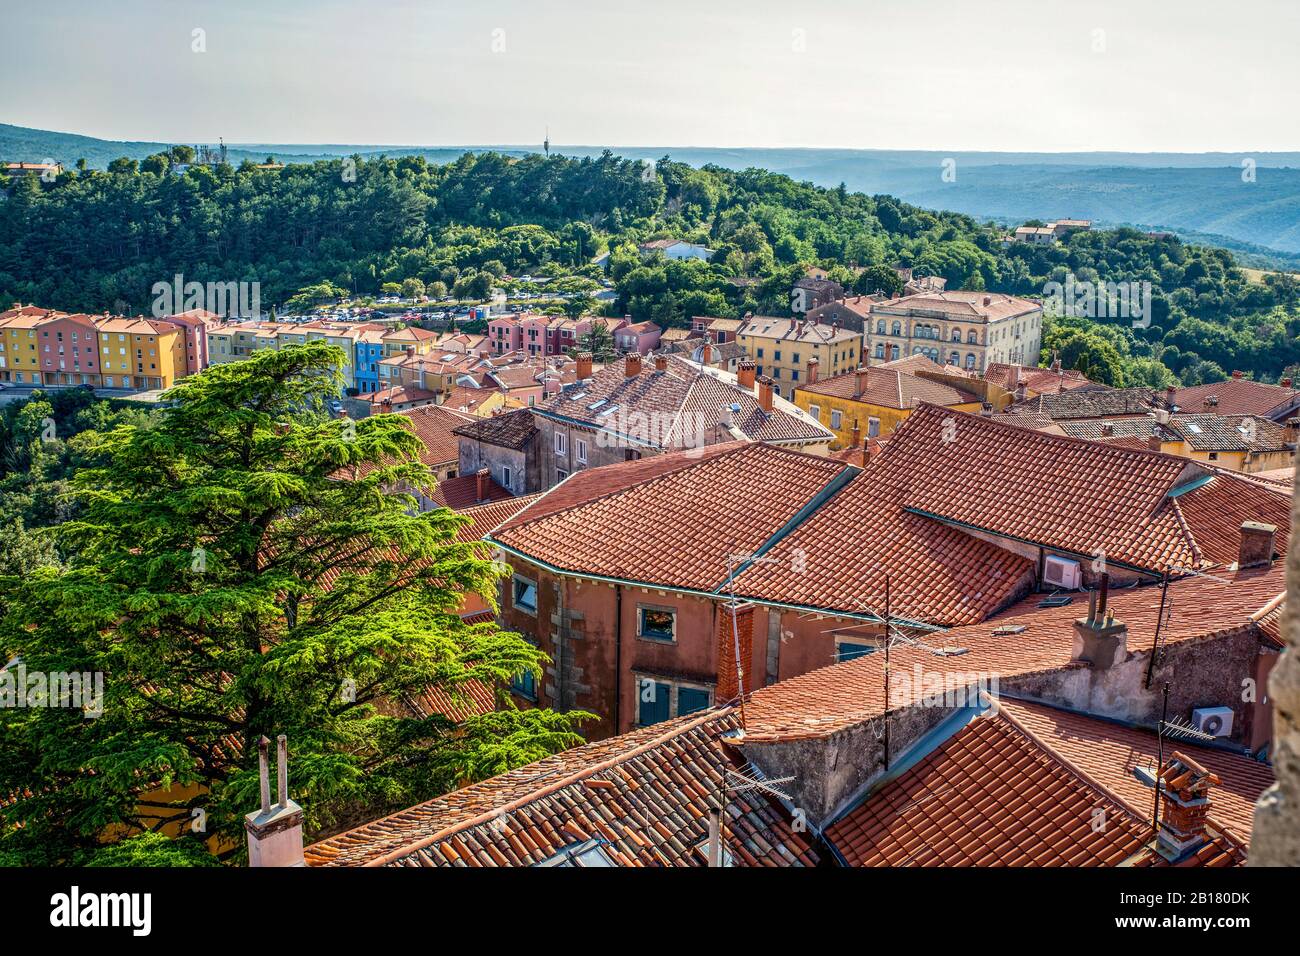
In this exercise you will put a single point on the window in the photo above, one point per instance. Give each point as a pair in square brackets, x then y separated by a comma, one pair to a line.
[815, 411]
[837, 417]
[525, 595]
[873, 427]
[654, 701]
[560, 474]
[880, 327]
[880, 351]
[897, 329]
[582, 451]
[507, 478]
[970, 359]
[524, 684]
[656, 623]
[561, 444]
[691, 699]
[851, 650]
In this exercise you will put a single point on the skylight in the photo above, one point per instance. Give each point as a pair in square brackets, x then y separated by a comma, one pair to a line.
[605, 411]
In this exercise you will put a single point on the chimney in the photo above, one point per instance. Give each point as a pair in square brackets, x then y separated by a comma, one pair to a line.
[988, 300]
[481, 479]
[1184, 788]
[410, 351]
[1107, 429]
[859, 381]
[1171, 394]
[274, 832]
[632, 365]
[986, 409]
[584, 366]
[765, 386]
[661, 363]
[735, 622]
[1285, 383]
[1256, 548]
[1099, 639]
[857, 434]
[1291, 431]
[1155, 440]
[706, 354]
[745, 375]
[1236, 373]
[1210, 404]
[813, 366]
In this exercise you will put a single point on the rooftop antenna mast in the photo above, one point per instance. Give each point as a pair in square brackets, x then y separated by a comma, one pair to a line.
[1160, 621]
[740, 783]
[546, 143]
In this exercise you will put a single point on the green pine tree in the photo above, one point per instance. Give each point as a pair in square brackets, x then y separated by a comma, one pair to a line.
[228, 587]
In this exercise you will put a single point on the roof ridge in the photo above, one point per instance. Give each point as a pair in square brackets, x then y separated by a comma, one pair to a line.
[556, 785]
[686, 463]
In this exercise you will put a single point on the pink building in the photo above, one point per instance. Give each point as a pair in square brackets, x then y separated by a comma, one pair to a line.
[638, 337]
[503, 334]
[68, 348]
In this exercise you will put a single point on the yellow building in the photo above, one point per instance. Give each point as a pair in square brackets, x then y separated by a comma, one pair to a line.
[1243, 443]
[20, 362]
[874, 401]
[783, 348]
[140, 353]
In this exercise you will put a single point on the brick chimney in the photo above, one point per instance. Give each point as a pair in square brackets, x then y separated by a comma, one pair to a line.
[729, 681]
[481, 479]
[632, 365]
[1291, 431]
[857, 434]
[814, 366]
[1256, 548]
[765, 386]
[1107, 429]
[661, 363]
[1155, 440]
[1236, 373]
[583, 370]
[1099, 639]
[1184, 787]
[274, 832]
[1210, 403]
[410, 351]
[1285, 383]
[1171, 398]
[859, 381]
[745, 375]
[988, 300]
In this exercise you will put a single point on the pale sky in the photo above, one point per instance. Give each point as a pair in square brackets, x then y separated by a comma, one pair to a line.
[1022, 75]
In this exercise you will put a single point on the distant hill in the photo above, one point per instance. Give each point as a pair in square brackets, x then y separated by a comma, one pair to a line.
[1197, 195]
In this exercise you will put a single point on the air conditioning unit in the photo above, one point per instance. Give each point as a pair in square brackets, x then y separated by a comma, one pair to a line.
[1062, 573]
[1213, 720]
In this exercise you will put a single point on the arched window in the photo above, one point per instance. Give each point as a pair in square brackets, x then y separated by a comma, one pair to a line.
[972, 338]
[897, 328]
[970, 359]
[880, 327]
[956, 335]
[880, 351]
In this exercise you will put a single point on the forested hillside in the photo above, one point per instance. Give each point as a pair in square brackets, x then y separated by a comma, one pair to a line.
[99, 240]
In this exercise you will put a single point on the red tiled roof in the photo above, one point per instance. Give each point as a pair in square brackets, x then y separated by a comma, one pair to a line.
[832, 698]
[1237, 396]
[677, 526]
[1109, 752]
[1044, 381]
[461, 492]
[487, 517]
[433, 426]
[645, 795]
[673, 408]
[889, 388]
[1074, 495]
[990, 795]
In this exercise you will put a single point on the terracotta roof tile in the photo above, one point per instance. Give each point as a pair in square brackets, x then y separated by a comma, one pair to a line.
[842, 695]
[990, 795]
[672, 523]
[890, 388]
[1109, 752]
[1238, 396]
[509, 430]
[645, 795]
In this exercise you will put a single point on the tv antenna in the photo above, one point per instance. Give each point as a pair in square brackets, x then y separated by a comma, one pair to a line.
[737, 782]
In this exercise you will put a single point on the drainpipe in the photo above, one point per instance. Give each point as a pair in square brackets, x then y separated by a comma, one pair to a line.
[618, 658]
